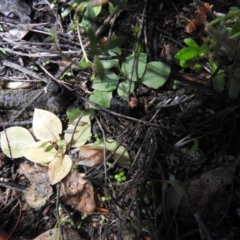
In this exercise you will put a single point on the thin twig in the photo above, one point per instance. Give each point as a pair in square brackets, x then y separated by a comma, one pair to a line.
[136, 49]
[104, 139]
[25, 70]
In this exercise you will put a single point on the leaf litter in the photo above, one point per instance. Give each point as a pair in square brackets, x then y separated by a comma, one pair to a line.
[132, 204]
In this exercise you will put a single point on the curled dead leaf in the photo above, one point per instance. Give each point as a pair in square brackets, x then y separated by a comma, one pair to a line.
[91, 156]
[77, 191]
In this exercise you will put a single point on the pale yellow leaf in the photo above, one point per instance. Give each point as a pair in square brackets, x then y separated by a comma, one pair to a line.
[82, 134]
[111, 146]
[59, 168]
[17, 138]
[37, 153]
[46, 125]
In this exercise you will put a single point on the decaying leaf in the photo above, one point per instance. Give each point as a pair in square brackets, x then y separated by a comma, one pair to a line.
[38, 194]
[59, 167]
[36, 152]
[56, 234]
[40, 189]
[199, 17]
[77, 191]
[91, 156]
[17, 138]
[46, 125]
[207, 194]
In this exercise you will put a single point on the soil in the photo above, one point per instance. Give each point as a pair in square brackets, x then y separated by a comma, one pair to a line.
[182, 181]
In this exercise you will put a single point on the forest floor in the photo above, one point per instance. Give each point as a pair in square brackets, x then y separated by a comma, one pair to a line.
[179, 126]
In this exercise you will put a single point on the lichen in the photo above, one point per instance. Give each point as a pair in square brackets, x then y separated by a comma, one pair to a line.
[189, 157]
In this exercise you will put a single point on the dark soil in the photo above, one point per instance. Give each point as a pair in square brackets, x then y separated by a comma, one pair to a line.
[183, 180]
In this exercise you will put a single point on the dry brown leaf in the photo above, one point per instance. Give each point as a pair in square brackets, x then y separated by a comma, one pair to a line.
[38, 194]
[199, 16]
[56, 233]
[40, 189]
[91, 156]
[207, 194]
[77, 191]
[133, 102]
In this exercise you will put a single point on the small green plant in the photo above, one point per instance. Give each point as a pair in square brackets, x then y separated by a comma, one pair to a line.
[152, 74]
[106, 199]
[66, 74]
[225, 32]
[45, 63]
[120, 177]
[35, 68]
[190, 55]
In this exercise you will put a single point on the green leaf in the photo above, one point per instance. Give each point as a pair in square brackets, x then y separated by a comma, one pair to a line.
[43, 144]
[197, 67]
[219, 82]
[114, 42]
[66, 12]
[109, 83]
[236, 27]
[187, 53]
[73, 113]
[108, 64]
[156, 74]
[205, 48]
[17, 138]
[85, 23]
[97, 10]
[48, 148]
[89, 13]
[99, 68]
[101, 98]
[123, 87]
[234, 87]
[190, 42]
[83, 64]
[92, 39]
[139, 67]
[234, 10]
[111, 7]
[115, 51]
[219, 79]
